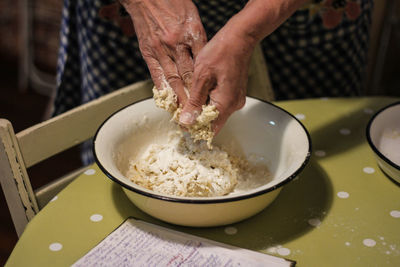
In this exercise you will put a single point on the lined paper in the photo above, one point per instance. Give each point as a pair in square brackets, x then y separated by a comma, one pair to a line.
[137, 243]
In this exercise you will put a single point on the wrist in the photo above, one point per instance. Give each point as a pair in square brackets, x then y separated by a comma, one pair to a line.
[238, 29]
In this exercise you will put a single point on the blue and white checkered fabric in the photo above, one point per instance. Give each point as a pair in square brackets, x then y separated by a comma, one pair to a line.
[305, 59]
[95, 56]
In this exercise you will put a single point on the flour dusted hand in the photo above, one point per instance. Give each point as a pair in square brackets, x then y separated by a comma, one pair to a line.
[170, 35]
[201, 129]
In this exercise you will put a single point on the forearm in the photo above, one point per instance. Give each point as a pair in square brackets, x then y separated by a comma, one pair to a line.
[259, 18]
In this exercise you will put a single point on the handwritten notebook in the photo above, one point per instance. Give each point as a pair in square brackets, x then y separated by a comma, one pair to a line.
[137, 243]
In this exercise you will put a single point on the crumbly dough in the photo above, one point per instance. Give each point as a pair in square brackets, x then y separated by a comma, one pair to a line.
[185, 167]
[182, 167]
[201, 129]
[165, 99]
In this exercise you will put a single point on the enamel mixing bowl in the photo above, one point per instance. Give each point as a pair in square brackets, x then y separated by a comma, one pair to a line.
[259, 128]
[383, 135]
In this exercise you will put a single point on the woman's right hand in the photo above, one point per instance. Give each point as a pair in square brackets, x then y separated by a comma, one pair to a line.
[170, 35]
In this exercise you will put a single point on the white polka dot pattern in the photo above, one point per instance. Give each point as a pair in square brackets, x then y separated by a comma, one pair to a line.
[395, 213]
[96, 217]
[283, 251]
[343, 194]
[300, 116]
[55, 247]
[231, 230]
[90, 172]
[369, 242]
[369, 170]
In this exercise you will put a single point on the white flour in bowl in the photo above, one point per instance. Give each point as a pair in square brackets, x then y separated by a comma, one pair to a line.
[182, 167]
[187, 164]
[201, 129]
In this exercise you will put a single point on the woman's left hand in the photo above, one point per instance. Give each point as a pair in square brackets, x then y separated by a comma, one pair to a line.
[220, 73]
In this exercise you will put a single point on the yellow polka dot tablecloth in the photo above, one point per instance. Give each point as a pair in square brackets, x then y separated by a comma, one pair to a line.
[341, 210]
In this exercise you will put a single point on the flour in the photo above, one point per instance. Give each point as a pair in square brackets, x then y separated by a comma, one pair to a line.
[187, 165]
[182, 167]
[201, 129]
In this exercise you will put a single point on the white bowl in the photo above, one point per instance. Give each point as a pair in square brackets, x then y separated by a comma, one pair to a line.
[259, 128]
[383, 135]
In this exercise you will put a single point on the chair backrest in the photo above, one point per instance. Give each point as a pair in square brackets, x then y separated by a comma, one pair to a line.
[44, 140]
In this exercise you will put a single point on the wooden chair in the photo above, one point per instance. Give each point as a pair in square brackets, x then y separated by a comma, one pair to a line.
[44, 140]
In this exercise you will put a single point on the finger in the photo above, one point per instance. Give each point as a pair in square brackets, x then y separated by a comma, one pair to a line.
[172, 77]
[156, 72]
[226, 105]
[224, 112]
[199, 40]
[184, 64]
[196, 37]
[203, 82]
[219, 123]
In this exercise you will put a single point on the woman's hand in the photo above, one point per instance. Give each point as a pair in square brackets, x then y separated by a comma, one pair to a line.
[221, 68]
[220, 73]
[170, 35]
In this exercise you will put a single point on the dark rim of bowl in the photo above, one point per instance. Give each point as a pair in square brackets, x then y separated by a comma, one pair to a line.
[371, 144]
[205, 200]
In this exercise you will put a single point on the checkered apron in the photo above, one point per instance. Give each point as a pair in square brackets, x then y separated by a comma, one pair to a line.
[320, 51]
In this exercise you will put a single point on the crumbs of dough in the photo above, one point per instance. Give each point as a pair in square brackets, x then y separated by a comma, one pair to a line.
[201, 129]
[165, 99]
[184, 167]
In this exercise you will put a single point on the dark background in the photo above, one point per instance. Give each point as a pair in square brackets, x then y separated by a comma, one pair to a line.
[24, 101]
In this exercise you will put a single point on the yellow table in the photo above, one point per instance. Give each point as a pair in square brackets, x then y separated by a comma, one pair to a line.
[341, 211]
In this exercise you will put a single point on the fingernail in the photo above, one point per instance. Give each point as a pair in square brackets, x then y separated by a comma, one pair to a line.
[186, 118]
